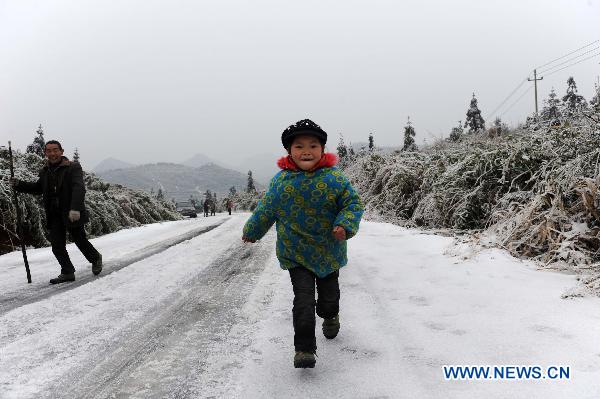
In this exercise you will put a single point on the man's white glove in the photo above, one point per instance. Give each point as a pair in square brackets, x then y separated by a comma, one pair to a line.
[74, 215]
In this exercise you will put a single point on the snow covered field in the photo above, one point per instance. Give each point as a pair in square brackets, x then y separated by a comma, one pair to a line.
[210, 316]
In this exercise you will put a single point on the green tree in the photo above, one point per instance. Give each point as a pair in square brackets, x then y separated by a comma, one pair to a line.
[37, 147]
[351, 151]
[572, 101]
[409, 137]
[457, 132]
[342, 150]
[474, 121]
[251, 188]
[551, 110]
[595, 103]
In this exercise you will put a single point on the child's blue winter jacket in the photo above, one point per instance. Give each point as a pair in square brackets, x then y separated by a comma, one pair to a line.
[306, 207]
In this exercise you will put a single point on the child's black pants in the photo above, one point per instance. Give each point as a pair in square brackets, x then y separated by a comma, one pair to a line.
[327, 304]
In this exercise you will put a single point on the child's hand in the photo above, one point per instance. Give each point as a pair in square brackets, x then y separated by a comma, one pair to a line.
[339, 233]
[246, 239]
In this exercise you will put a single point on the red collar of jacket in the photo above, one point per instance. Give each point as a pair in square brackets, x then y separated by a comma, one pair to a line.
[327, 160]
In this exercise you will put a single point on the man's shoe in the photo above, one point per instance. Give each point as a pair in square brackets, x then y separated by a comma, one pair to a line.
[97, 265]
[331, 327]
[63, 278]
[303, 360]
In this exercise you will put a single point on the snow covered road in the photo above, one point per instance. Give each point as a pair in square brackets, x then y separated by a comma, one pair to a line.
[211, 317]
[11, 299]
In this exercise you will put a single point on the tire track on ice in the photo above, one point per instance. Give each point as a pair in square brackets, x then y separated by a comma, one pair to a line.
[164, 359]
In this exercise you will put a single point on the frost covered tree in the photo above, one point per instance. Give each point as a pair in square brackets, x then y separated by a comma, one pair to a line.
[160, 195]
[498, 128]
[595, 103]
[76, 155]
[208, 195]
[474, 121]
[351, 151]
[250, 188]
[409, 137]
[37, 147]
[232, 191]
[214, 198]
[371, 142]
[572, 101]
[457, 132]
[342, 151]
[551, 111]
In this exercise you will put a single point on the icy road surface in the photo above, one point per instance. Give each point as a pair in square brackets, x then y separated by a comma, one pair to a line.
[186, 310]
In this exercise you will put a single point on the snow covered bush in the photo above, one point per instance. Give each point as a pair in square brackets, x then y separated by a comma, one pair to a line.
[534, 191]
[245, 201]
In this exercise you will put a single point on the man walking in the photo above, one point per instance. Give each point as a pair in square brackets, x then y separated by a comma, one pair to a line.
[60, 183]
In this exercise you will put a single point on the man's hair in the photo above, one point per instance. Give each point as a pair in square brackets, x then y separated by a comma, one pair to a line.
[53, 142]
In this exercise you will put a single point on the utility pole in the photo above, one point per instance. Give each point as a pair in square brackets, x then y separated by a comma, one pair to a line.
[534, 80]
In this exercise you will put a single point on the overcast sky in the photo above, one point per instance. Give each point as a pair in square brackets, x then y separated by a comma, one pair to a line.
[147, 81]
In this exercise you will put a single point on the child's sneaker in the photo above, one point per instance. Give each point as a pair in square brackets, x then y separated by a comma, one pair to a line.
[331, 327]
[303, 360]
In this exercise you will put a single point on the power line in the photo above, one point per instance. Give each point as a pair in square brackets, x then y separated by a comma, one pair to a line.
[566, 55]
[569, 60]
[507, 98]
[518, 99]
[547, 72]
[575, 63]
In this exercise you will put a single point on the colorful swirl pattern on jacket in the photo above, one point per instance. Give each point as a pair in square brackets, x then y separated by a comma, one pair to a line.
[306, 206]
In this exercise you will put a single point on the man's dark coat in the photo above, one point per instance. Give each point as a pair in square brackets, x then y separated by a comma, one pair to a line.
[69, 187]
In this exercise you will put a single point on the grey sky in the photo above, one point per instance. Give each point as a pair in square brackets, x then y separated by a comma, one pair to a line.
[147, 81]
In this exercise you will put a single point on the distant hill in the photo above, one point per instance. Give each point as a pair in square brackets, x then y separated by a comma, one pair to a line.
[179, 181]
[199, 160]
[110, 164]
[263, 166]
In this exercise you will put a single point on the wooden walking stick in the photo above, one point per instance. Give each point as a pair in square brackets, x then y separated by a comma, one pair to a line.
[19, 225]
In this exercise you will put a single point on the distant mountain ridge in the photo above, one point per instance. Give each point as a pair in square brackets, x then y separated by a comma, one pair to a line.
[263, 166]
[110, 164]
[179, 181]
[199, 160]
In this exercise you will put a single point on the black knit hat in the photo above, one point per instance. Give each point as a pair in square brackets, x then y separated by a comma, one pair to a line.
[303, 127]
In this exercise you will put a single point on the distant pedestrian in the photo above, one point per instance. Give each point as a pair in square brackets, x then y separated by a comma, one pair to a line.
[229, 205]
[316, 211]
[213, 208]
[206, 206]
[61, 184]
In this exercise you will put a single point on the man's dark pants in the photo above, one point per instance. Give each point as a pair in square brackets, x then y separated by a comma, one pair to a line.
[58, 239]
[327, 304]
